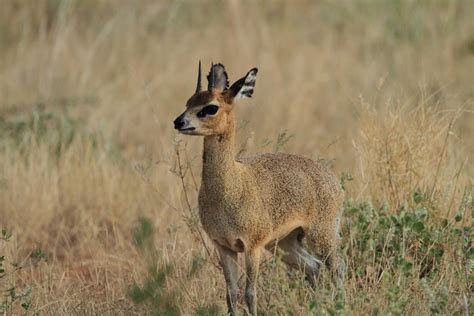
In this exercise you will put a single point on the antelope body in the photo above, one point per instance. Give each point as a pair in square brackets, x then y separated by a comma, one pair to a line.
[255, 203]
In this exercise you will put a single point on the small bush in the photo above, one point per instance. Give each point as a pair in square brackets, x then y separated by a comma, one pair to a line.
[55, 127]
[14, 298]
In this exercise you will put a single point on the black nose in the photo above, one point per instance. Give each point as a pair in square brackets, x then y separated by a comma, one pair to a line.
[178, 123]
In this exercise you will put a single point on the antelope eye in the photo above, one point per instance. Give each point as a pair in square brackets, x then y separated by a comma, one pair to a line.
[208, 110]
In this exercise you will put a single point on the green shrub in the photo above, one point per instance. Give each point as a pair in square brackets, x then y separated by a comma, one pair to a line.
[407, 249]
[12, 296]
[56, 127]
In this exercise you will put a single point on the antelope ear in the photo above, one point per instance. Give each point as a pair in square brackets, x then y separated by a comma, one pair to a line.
[243, 88]
[217, 78]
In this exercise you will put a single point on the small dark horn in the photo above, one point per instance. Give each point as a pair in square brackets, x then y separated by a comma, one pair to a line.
[198, 87]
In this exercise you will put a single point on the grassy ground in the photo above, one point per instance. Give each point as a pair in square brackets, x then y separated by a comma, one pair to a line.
[99, 214]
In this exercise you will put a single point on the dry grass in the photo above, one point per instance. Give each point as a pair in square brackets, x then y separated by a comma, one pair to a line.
[405, 148]
[88, 93]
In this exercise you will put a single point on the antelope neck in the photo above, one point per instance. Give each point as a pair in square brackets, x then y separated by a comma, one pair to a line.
[219, 167]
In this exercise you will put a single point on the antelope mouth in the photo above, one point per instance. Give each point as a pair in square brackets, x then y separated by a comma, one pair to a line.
[186, 130]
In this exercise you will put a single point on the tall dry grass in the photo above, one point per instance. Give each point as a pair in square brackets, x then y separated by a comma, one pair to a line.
[89, 90]
[408, 147]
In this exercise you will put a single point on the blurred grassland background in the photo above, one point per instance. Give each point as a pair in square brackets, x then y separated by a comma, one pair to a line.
[382, 91]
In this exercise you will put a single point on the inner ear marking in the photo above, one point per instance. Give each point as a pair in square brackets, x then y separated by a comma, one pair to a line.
[243, 88]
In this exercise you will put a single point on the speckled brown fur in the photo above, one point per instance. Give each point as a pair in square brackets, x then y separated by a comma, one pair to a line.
[251, 197]
[249, 203]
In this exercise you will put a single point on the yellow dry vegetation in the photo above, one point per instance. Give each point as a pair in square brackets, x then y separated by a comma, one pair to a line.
[380, 90]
